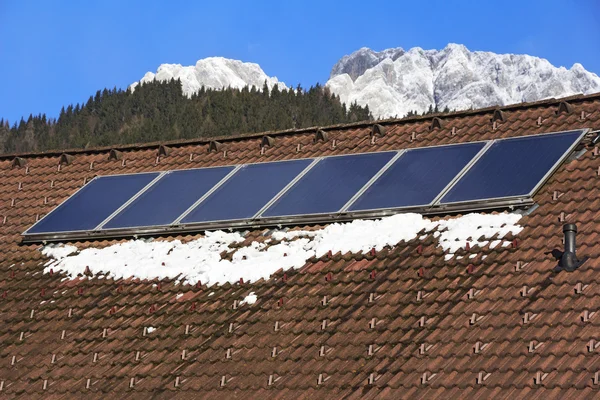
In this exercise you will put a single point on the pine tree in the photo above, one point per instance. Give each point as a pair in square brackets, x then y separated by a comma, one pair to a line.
[159, 111]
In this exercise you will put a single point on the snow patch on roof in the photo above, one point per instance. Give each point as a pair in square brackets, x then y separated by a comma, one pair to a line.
[200, 260]
[250, 299]
[280, 235]
[58, 251]
[476, 229]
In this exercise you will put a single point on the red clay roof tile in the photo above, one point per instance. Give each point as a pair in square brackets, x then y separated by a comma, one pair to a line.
[402, 322]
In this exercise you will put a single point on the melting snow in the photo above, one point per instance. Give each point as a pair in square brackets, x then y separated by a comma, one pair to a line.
[150, 329]
[200, 260]
[58, 251]
[250, 299]
[456, 232]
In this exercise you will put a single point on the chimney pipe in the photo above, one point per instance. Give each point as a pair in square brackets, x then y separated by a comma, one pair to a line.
[568, 260]
[570, 231]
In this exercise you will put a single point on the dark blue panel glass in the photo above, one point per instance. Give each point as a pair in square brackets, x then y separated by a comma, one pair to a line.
[329, 184]
[87, 208]
[511, 167]
[417, 177]
[168, 198]
[245, 193]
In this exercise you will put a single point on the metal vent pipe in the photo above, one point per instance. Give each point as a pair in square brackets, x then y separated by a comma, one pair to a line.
[568, 260]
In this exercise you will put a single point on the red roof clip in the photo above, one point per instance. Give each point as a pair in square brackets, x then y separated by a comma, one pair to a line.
[12, 274]
[152, 309]
[285, 277]
[470, 269]
[80, 291]
[373, 274]
[4, 294]
[193, 306]
[113, 310]
[198, 285]
[241, 281]
[420, 249]
[421, 272]
[515, 243]
[43, 292]
[468, 246]
[328, 277]
[329, 254]
[51, 272]
[280, 302]
[120, 289]
[159, 286]
[373, 252]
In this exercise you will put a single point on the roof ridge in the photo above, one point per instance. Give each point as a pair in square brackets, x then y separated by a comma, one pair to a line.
[293, 131]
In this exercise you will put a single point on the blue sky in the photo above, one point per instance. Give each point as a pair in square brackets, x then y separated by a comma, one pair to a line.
[57, 53]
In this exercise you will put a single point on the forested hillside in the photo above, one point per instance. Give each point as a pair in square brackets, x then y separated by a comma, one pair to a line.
[158, 111]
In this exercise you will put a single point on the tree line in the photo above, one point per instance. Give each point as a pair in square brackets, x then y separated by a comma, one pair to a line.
[158, 111]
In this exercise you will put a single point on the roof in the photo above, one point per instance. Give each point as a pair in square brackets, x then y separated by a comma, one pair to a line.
[402, 322]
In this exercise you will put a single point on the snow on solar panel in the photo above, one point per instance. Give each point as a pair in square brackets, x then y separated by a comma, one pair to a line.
[246, 192]
[91, 205]
[168, 198]
[513, 167]
[417, 177]
[328, 186]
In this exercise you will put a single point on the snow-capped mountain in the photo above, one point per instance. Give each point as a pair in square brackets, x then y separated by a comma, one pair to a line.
[393, 82]
[214, 73]
[358, 62]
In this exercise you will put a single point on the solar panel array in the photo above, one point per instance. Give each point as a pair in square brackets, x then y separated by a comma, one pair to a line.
[464, 176]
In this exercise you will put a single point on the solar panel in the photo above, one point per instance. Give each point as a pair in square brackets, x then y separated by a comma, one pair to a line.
[417, 177]
[168, 198]
[328, 186]
[513, 167]
[465, 177]
[93, 203]
[246, 192]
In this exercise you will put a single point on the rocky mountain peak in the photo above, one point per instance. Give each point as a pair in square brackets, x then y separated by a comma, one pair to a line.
[393, 81]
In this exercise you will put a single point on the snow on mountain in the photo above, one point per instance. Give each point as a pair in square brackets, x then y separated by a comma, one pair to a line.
[394, 82]
[358, 62]
[213, 73]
